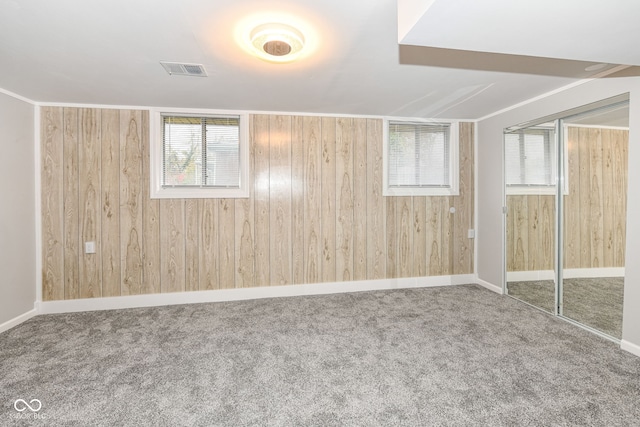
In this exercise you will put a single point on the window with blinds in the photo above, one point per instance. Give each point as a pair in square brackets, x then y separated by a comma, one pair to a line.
[201, 151]
[419, 158]
[529, 158]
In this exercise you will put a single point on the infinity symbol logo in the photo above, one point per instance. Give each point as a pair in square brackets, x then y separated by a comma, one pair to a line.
[21, 405]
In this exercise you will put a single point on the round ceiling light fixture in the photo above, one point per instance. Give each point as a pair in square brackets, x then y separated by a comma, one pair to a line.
[277, 42]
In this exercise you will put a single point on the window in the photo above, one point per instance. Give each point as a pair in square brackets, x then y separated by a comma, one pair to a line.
[530, 161]
[420, 159]
[199, 156]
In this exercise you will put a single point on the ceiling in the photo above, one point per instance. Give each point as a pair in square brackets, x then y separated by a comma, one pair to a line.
[108, 53]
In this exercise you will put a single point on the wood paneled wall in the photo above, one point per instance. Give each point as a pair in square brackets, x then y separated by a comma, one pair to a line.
[595, 208]
[315, 212]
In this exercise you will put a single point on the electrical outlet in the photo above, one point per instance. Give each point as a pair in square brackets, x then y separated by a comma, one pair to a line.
[89, 247]
[471, 233]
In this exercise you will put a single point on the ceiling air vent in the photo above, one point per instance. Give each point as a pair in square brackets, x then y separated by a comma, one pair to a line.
[181, 69]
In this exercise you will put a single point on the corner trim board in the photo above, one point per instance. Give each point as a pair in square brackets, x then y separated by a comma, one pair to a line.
[221, 295]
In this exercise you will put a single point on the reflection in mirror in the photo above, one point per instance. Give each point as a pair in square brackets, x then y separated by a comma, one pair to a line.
[530, 176]
[594, 217]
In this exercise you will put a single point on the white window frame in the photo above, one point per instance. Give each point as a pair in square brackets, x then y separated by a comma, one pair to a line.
[453, 189]
[158, 191]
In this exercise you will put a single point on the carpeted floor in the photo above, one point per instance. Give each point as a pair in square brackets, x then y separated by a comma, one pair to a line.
[593, 302]
[449, 356]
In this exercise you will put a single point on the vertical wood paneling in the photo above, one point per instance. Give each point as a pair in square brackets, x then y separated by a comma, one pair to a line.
[607, 198]
[447, 236]
[90, 210]
[53, 255]
[312, 199]
[360, 200]
[620, 167]
[572, 249]
[70, 191]
[261, 194]
[244, 224]
[404, 226]
[192, 249]
[297, 199]
[280, 200]
[420, 237]
[434, 207]
[110, 195]
[172, 243]
[462, 253]
[547, 218]
[344, 203]
[585, 201]
[376, 257]
[226, 243]
[593, 217]
[315, 211]
[209, 259]
[328, 202]
[595, 197]
[151, 271]
[132, 182]
[391, 237]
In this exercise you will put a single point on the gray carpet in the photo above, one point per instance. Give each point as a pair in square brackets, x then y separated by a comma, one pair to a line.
[457, 355]
[593, 302]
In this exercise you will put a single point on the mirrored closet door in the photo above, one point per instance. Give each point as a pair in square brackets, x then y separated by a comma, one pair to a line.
[565, 205]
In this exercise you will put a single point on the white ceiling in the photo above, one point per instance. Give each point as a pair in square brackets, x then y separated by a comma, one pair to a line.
[108, 52]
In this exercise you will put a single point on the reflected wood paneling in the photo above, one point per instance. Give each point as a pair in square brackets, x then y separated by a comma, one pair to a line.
[110, 169]
[594, 207]
[315, 211]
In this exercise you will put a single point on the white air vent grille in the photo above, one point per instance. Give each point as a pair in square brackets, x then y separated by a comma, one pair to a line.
[181, 69]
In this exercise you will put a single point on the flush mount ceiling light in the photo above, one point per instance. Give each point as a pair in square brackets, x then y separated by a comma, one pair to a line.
[277, 42]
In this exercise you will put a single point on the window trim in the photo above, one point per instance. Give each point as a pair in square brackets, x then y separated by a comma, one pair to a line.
[158, 191]
[453, 189]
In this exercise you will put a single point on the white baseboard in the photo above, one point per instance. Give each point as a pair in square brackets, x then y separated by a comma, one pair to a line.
[495, 288]
[569, 273]
[17, 320]
[630, 347]
[152, 300]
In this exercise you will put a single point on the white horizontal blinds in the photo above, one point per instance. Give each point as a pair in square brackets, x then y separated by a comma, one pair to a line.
[201, 151]
[529, 157]
[418, 155]
[223, 152]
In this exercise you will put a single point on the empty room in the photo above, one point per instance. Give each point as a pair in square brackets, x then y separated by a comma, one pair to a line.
[319, 213]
